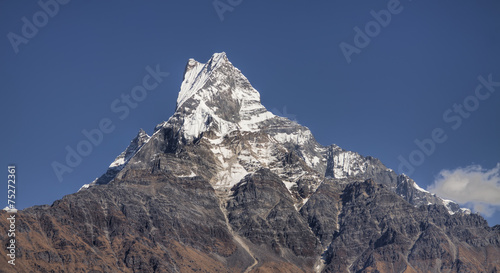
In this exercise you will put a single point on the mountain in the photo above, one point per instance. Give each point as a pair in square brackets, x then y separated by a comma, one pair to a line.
[226, 186]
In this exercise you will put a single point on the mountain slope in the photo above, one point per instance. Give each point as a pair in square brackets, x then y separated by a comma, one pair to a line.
[226, 186]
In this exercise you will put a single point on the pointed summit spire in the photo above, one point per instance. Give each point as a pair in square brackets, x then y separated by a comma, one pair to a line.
[196, 75]
[217, 93]
[216, 59]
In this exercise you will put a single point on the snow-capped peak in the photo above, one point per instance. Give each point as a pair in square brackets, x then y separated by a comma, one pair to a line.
[196, 75]
[217, 95]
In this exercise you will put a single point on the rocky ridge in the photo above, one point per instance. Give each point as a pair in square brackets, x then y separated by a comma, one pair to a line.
[226, 186]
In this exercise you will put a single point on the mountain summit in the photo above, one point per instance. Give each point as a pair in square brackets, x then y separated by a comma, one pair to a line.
[217, 104]
[216, 96]
[226, 186]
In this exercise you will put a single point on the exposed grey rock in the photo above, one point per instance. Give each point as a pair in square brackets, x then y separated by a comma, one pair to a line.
[226, 186]
[121, 160]
[261, 209]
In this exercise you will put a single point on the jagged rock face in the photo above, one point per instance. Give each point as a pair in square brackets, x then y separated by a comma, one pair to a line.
[348, 166]
[121, 160]
[142, 223]
[262, 210]
[378, 230]
[226, 186]
[322, 212]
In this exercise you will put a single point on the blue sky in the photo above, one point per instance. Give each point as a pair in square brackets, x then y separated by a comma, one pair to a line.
[75, 62]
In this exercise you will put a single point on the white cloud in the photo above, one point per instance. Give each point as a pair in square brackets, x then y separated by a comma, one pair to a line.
[471, 186]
